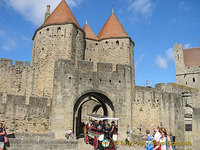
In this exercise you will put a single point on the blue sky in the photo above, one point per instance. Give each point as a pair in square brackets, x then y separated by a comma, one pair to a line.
[154, 25]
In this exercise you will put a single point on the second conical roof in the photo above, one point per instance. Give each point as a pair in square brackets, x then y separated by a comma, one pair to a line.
[89, 33]
[62, 14]
[112, 28]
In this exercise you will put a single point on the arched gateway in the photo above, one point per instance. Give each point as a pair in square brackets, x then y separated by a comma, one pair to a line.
[82, 90]
[90, 102]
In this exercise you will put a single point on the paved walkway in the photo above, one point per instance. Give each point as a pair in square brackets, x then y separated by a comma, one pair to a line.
[83, 146]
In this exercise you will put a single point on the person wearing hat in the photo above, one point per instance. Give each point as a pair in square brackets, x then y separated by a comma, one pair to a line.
[113, 128]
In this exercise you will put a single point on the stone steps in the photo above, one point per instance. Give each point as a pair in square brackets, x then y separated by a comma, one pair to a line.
[31, 136]
[24, 141]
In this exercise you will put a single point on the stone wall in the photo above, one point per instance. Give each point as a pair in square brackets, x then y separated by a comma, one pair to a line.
[92, 52]
[116, 51]
[107, 50]
[32, 141]
[50, 43]
[196, 121]
[15, 79]
[19, 117]
[172, 106]
[152, 108]
[35, 144]
[188, 76]
[72, 85]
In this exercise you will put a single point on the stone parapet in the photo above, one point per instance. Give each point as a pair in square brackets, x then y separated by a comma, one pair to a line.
[9, 62]
[21, 117]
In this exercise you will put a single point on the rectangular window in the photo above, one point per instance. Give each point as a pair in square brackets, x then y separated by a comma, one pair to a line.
[188, 127]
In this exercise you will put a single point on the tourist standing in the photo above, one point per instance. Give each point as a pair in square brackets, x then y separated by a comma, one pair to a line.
[156, 138]
[69, 134]
[164, 141]
[113, 128]
[2, 134]
[148, 138]
[128, 132]
[85, 129]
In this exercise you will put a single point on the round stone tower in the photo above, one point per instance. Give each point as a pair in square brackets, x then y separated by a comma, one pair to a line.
[92, 46]
[115, 46]
[59, 37]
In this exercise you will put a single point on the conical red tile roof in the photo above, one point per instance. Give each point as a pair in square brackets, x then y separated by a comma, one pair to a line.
[62, 14]
[89, 33]
[112, 28]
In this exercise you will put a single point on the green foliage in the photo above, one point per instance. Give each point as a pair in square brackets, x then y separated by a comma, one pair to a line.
[140, 109]
[47, 117]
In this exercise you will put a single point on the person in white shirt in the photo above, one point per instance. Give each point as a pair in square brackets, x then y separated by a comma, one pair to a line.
[164, 141]
[157, 137]
[128, 132]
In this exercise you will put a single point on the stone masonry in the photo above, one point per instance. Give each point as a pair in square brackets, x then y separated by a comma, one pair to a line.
[188, 75]
[73, 74]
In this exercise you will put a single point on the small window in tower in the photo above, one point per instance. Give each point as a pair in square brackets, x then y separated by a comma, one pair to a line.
[117, 42]
[185, 83]
[193, 79]
[184, 75]
[178, 56]
[47, 29]
[90, 59]
[106, 42]
[96, 43]
[59, 28]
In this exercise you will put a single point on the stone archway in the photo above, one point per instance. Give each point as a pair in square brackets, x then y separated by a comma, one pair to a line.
[91, 102]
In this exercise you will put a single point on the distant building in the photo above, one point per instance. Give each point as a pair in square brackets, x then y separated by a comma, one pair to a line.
[187, 62]
[73, 72]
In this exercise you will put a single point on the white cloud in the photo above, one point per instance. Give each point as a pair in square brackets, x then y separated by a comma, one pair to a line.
[172, 21]
[170, 54]
[185, 46]
[34, 10]
[161, 62]
[8, 44]
[139, 60]
[144, 7]
[183, 6]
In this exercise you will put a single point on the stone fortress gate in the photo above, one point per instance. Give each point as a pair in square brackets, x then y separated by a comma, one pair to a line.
[73, 72]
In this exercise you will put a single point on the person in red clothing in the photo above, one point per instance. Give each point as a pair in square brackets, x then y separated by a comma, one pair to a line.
[2, 134]
[156, 138]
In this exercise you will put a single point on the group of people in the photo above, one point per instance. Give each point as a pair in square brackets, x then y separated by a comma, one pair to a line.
[103, 127]
[160, 140]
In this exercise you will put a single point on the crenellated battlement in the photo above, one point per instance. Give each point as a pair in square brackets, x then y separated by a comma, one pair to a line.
[9, 62]
[169, 88]
[23, 117]
[19, 100]
[87, 66]
[175, 88]
[15, 79]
